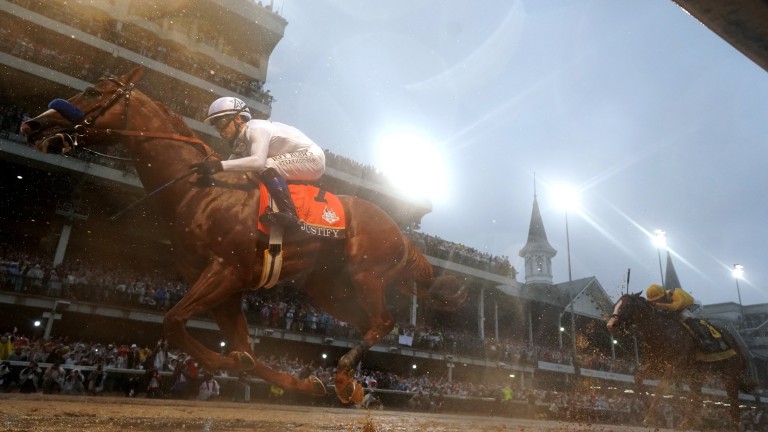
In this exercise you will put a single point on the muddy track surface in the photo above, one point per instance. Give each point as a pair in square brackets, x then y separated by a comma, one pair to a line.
[24, 412]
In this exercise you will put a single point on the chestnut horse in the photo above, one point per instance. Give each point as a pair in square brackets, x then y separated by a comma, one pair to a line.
[670, 350]
[218, 249]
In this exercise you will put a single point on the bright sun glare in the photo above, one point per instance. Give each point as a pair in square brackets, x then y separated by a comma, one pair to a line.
[413, 164]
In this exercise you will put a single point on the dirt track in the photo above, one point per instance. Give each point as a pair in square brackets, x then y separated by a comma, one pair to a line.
[37, 412]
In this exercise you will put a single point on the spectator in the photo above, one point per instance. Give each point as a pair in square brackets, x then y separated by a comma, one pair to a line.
[371, 401]
[31, 378]
[243, 389]
[154, 384]
[73, 383]
[6, 376]
[6, 345]
[53, 378]
[132, 386]
[96, 380]
[133, 357]
[209, 388]
[179, 381]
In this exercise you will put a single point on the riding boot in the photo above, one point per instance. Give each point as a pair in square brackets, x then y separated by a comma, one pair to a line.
[704, 336]
[278, 189]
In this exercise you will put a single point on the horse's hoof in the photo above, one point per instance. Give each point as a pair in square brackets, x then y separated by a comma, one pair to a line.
[344, 399]
[357, 394]
[318, 388]
[346, 393]
[244, 360]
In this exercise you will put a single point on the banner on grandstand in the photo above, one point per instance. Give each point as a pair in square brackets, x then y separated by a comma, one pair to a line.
[405, 340]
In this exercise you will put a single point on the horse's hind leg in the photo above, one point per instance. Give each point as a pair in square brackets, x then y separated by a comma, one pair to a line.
[231, 320]
[374, 322]
[732, 390]
[692, 417]
[664, 385]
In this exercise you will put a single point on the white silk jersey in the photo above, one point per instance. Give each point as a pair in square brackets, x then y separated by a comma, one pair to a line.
[265, 144]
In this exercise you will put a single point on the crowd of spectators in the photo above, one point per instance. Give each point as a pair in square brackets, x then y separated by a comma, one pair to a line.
[135, 38]
[42, 48]
[284, 307]
[461, 254]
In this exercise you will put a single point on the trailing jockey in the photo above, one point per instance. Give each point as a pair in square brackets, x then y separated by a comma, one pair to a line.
[677, 300]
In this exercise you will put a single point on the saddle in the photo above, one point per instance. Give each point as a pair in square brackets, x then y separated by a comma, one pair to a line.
[712, 346]
[320, 211]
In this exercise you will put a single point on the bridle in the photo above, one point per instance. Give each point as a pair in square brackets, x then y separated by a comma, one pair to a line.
[639, 304]
[99, 108]
[84, 129]
[619, 312]
[620, 304]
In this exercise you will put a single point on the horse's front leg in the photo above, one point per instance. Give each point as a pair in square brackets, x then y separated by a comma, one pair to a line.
[231, 320]
[216, 285]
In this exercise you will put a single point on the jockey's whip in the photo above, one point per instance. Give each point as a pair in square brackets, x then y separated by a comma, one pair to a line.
[135, 203]
[628, 270]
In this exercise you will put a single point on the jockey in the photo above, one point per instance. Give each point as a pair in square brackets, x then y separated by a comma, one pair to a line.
[677, 300]
[275, 151]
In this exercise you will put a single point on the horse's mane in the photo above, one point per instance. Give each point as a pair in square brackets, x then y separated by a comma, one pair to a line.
[181, 127]
[645, 303]
[176, 121]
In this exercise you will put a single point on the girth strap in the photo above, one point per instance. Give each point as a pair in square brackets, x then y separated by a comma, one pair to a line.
[273, 259]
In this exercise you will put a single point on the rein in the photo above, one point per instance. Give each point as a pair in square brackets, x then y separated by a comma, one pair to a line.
[89, 132]
[135, 203]
[85, 131]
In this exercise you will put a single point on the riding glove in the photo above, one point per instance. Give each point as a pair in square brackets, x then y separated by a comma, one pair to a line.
[207, 167]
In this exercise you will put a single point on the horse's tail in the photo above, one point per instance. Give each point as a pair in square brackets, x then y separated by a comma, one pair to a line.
[442, 292]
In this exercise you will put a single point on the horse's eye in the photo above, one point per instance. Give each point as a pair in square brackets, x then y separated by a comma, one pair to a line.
[92, 91]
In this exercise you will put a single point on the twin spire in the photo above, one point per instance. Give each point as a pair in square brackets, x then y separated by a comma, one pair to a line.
[537, 251]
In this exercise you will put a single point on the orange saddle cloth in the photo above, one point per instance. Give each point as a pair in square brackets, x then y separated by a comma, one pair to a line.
[320, 211]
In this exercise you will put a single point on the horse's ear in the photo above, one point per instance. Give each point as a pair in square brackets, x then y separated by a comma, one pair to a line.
[133, 76]
[637, 294]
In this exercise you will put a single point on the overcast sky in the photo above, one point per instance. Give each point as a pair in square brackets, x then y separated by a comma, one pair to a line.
[658, 121]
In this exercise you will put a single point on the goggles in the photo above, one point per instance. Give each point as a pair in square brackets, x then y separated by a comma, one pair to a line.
[222, 122]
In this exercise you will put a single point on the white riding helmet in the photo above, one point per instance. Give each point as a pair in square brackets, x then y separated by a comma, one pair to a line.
[227, 106]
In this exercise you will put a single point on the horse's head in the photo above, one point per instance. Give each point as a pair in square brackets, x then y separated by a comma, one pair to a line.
[626, 311]
[103, 105]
